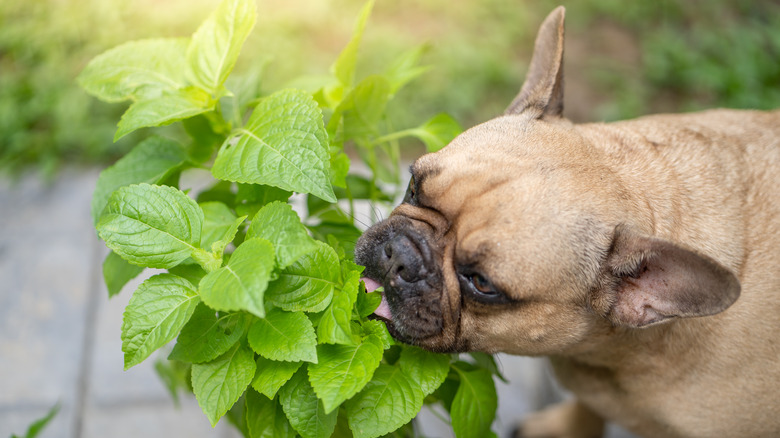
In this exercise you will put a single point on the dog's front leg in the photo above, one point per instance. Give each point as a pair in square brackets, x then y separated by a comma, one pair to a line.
[569, 419]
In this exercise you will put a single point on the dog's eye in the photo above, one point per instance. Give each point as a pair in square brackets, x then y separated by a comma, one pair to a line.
[481, 284]
[410, 197]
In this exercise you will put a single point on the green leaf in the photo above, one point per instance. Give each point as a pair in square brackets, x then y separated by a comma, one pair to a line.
[37, 426]
[405, 68]
[339, 167]
[117, 272]
[334, 327]
[251, 197]
[265, 418]
[304, 410]
[219, 384]
[280, 225]
[363, 108]
[171, 106]
[367, 303]
[344, 67]
[284, 145]
[152, 226]
[217, 43]
[475, 403]
[284, 336]
[438, 132]
[220, 226]
[426, 370]
[175, 376]
[241, 284]
[388, 401]
[136, 70]
[152, 161]
[208, 335]
[308, 284]
[155, 314]
[272, 375]
[343, 370]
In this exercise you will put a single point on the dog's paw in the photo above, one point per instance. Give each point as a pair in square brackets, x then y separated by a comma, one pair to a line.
[569, 419]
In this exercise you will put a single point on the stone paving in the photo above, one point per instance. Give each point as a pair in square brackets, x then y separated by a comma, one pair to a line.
[60, 334]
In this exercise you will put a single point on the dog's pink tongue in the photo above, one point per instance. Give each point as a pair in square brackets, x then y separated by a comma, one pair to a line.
[383, 310]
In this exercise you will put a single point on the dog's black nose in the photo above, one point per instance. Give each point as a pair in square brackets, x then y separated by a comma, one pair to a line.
[402, 260]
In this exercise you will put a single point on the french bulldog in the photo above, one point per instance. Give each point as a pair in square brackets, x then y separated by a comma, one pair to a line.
[640, 256]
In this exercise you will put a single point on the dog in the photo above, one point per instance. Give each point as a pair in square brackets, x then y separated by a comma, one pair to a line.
[640, 256]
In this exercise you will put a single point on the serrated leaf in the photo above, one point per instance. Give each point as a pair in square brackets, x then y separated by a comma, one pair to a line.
[136, 70]
[265, 418]
[117, 272]
[251, 197]
[280, 225]
[284, 336]
[367, 303]
[362, 109]
[284, 144]
[152, 226]
[475, 403]
[171, 106]
[155, 314]
[304, 410]
[242, 283]
[378, 329]
[344, 67]
[217, 43]
[308, 284]
[219, 384]
[208, 335]
[152, 161]
[334, 327]
[426, 370]
[438, 131]
[388, 401]
[405, 68]
[343, 370]
[220, 226]
[272, 375]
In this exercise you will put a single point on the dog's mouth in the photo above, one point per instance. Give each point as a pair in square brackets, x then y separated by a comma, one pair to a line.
[383, 311]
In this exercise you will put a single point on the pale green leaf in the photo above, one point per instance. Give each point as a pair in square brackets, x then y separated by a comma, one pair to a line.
[284, 144]
[219, 384]
[334, 326]
[405, 68]
[474, 406]
[155, 314]
[152, 161]
[390, 400]
[308, 284]
[284, 336]
[152, 226]
[426, 370]
[171, 106]
[136, 70]
[272, 375]
[208, 335]
[438, 132]
[117, 272]
[304, 410]
[344, 67]
[362, 109]
[280, 225]
[217, 43]
[343, 370]
[265, 418]
[241, 284]
[220, 226]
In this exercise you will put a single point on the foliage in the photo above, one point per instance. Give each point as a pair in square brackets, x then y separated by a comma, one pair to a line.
[38, 425]
[267, 310]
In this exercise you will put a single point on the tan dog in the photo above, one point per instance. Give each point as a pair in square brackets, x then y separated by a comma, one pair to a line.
[618, 250]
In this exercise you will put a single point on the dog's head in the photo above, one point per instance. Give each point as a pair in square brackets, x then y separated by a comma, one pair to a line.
[515, 238]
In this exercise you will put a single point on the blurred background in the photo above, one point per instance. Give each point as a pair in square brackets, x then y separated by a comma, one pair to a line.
[59, 338]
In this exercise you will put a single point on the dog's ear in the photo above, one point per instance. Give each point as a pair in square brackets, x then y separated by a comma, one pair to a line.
[542, 91]
[651, 280]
